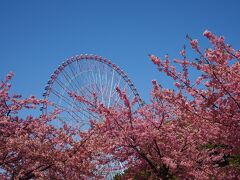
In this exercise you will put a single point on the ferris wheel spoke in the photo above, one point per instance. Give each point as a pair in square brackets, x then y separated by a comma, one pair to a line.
[69, 111]
[107, 85]
[75, 76]
[78, 90]
[123, 89]
[90, 71]
[97, 81]
[62, 85]
[110, 93]
[68, 80]
[115, 92]
[104, 81]
[63, 98]
[94, 81]
[88, 82]
[97, 89]
[69, 102]
[69, 122]
[100, 81]
[78, 118]
[99, 85]
[87, 89]
[81, 90]
[73, 70]
[73, 114]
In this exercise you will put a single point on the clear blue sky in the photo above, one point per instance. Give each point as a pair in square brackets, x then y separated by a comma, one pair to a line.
[36, 36]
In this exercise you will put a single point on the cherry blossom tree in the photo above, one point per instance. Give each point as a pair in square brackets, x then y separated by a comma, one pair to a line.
[190, 132]
[33, 148]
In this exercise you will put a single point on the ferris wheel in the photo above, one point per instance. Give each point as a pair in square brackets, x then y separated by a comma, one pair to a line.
[90, 76]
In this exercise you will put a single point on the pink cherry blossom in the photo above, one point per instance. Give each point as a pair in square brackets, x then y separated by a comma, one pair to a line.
[194, 43]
